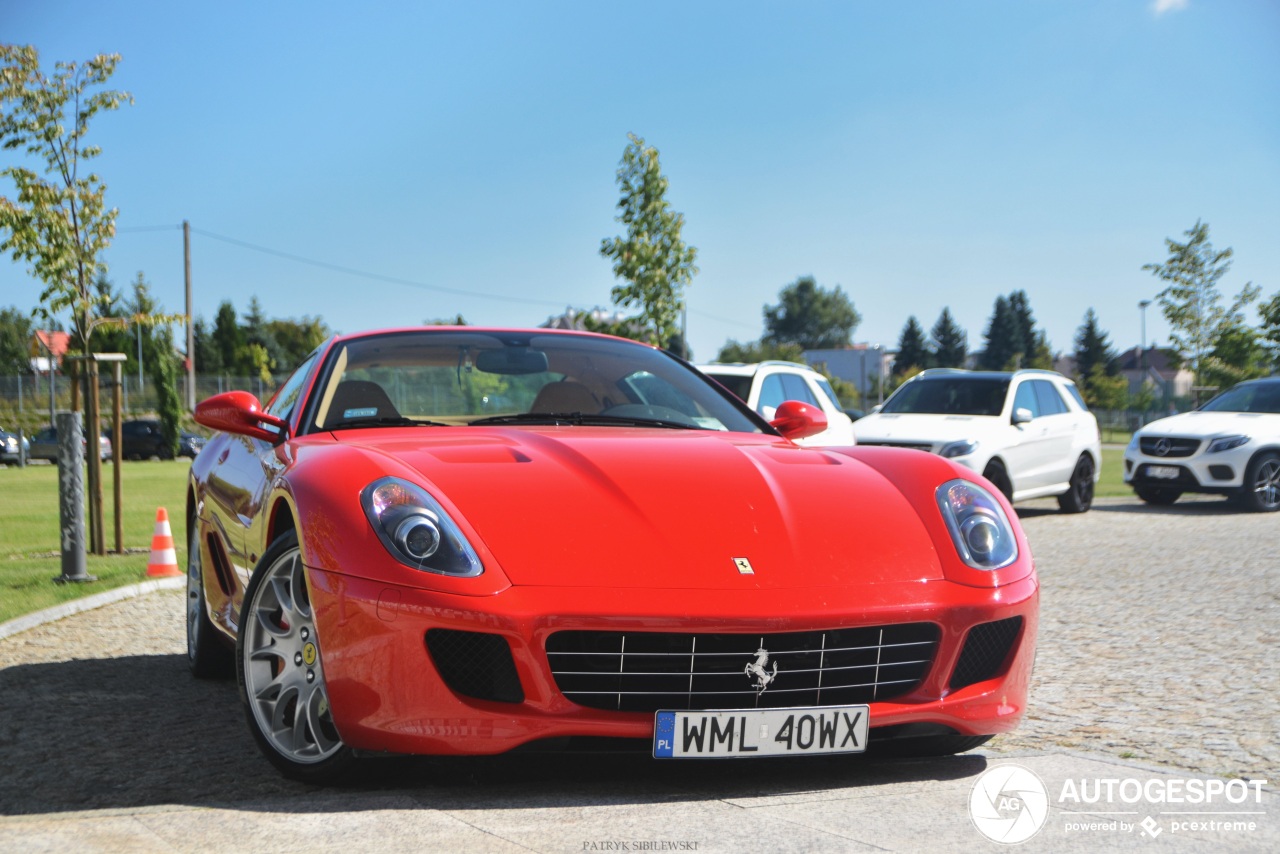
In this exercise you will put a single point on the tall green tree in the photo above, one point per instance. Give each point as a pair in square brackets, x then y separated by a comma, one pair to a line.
[760, 351]
[58, 223]
[1032, 343]
[1191, 301]
[950, 342]
[1270, 312]
[1238, 354]
[227, 339]
[913, 353]
[651, 258]
[15, 342]
[295, 339]
[1093, 348]
[811, 316]
[1003, 338]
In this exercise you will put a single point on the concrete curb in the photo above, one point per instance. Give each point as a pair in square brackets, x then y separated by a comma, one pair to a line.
[88, 603]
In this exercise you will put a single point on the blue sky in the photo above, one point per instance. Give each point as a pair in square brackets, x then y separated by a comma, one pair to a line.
[918, 155]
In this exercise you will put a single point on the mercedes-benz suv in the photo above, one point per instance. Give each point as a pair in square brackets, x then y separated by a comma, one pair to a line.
[1028, 432]
[1230, 446]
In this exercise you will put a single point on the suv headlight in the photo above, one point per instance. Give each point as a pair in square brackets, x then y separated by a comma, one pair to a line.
[979, 527]
[1226, 443]
[958, 449]
[416, 530]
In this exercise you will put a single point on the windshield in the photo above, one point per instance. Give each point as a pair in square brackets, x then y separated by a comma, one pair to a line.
[1248, 397]
[459, 377]
[953, 395]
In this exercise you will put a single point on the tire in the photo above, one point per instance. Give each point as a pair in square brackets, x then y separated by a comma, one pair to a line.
[279, 669]
[1079, 497]
[995, 472]
[928, 745]
[1161, 496]
[1261, 492]
[207, 656]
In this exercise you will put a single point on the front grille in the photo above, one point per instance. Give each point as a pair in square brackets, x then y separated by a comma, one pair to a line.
[1168, 446]
[916, 446]
[646, 671]
[985, 651]
[475, 664]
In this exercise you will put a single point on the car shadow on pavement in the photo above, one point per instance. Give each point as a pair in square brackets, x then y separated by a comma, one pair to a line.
[139, 731]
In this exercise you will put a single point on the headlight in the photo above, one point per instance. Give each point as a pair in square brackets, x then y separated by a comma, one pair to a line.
[416, 530]
[958, 449]
[1226, 443]
[1133, 443]
[979, 528]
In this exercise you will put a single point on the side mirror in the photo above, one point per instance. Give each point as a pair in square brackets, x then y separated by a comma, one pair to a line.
[240, 412]
[1021, 416]
[796, 419]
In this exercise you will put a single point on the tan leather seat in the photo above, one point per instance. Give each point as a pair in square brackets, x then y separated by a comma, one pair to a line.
[565, 396]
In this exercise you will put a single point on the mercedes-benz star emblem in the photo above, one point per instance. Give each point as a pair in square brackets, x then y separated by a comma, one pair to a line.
[1163, 446]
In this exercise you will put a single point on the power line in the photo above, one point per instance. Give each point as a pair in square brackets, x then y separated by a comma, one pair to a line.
[364, 274]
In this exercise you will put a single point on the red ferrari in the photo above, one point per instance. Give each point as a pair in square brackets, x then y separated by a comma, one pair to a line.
[461, 541]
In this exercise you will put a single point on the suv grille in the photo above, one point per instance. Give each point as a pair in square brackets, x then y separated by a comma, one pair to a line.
[1168, 446]
[647, 671]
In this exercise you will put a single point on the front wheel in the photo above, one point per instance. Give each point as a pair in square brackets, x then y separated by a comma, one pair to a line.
[1262, 484]
[207, 656]
[1158, 495]
[280, 670]
[1079, 497]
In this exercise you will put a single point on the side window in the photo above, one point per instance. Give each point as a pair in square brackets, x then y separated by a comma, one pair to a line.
[1051, 402]
[772, 395]
[1025, 398]
[1075, 392]
[830, 393]
[796, 388]
[282, 404]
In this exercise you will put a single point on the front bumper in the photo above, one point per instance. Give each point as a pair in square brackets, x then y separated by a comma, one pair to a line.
[387, 694]
[1222, 472]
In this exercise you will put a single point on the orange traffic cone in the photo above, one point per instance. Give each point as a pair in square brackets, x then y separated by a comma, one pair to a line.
[164, 560]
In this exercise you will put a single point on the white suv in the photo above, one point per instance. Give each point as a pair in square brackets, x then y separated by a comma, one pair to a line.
[1028, 432]
[1230, 446]
[765, 385]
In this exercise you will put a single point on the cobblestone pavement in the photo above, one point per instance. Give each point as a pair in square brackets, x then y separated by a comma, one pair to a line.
[1159, 635]
[1159, 642]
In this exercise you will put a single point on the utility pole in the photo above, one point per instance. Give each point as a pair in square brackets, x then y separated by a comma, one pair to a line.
[191, 334]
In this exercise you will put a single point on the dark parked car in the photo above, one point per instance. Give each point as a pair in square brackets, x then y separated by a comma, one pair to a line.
[44, 446]
[143, 438]
[9, 446]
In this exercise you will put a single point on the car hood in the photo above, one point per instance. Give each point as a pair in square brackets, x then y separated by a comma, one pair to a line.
[1213, 424]
[584, 507]
[906, 427]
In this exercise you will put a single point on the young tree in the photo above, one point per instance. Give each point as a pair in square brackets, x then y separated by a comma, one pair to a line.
[227, 339]
[1191, 301]
[760, 351]
[652, 260]
[950, 342]
[58, 224]
[811, 317]
[913, 355]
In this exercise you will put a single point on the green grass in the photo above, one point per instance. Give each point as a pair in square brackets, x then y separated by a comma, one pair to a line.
[1111, 484]
[29, 555]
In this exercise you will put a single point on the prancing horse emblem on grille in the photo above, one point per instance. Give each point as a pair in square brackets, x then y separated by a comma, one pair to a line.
[756, 670]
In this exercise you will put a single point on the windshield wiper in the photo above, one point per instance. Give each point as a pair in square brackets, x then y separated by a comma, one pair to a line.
[386, 421]
[581, 419]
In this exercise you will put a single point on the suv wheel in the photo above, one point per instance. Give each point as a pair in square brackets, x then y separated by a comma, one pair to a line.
[1262, 483]
[995, 473]
[1079, 497]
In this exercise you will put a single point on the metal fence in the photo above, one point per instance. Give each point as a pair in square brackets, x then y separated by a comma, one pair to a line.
[24, 398]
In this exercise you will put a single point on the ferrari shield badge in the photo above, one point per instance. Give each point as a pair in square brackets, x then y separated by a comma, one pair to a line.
[744, 566]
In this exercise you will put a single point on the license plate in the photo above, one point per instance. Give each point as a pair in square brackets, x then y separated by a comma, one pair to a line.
[1163, 472]
[759, 732]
